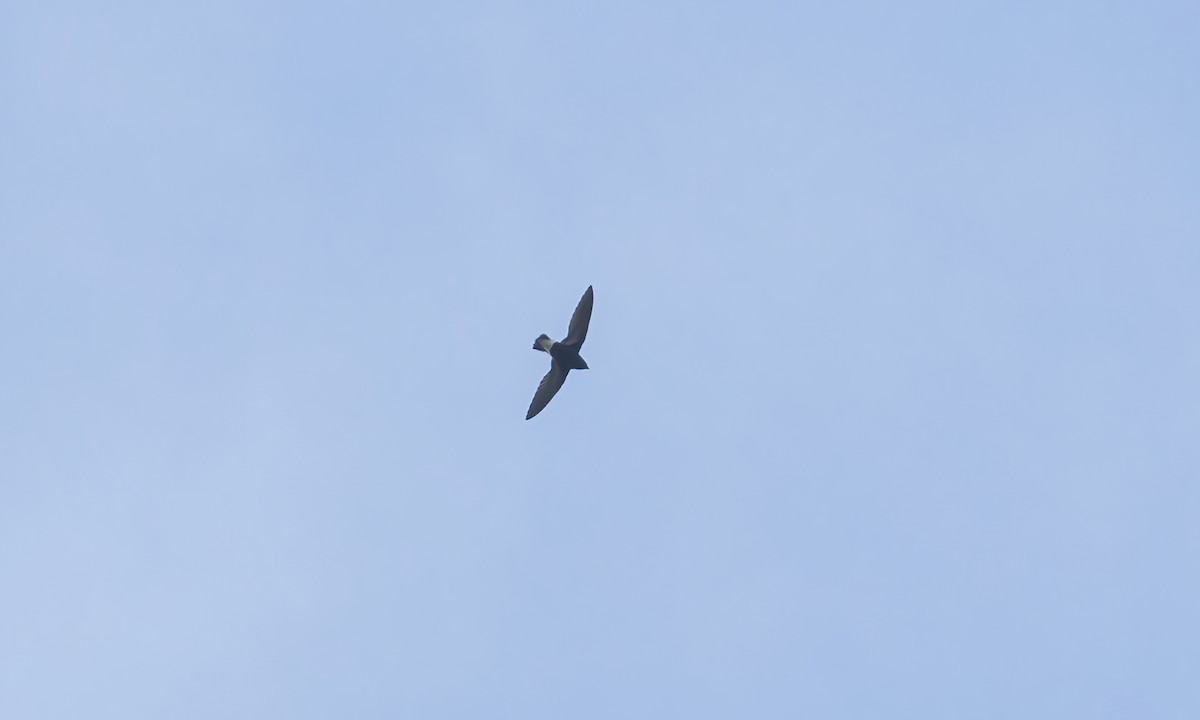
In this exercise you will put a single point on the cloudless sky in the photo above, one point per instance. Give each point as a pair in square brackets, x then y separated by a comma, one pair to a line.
[893, 407]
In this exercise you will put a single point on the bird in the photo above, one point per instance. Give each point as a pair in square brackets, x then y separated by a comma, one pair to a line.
[564, 355]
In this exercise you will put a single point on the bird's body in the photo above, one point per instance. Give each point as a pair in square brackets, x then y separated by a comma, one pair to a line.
[564, 355]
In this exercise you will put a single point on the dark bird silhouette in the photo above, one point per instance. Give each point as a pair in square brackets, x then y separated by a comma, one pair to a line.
[564, 355]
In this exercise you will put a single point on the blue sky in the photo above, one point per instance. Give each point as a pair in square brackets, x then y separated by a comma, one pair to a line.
[892, 408]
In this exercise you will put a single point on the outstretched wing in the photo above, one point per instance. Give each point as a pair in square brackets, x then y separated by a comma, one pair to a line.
[579, 321]
[546, 389]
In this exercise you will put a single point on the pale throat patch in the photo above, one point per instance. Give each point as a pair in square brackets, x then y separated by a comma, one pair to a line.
[546, 343]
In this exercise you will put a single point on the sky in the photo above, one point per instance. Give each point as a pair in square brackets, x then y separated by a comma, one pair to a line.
[892, 408]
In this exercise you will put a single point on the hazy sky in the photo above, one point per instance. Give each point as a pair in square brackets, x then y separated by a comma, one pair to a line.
[893, 408]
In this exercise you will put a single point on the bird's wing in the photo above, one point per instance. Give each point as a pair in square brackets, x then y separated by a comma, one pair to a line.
[579, 321]
[547, 387]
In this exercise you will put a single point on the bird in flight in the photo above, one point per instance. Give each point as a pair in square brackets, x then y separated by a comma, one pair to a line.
[564, 355]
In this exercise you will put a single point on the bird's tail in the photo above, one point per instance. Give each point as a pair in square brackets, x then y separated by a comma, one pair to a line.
[542, 343]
